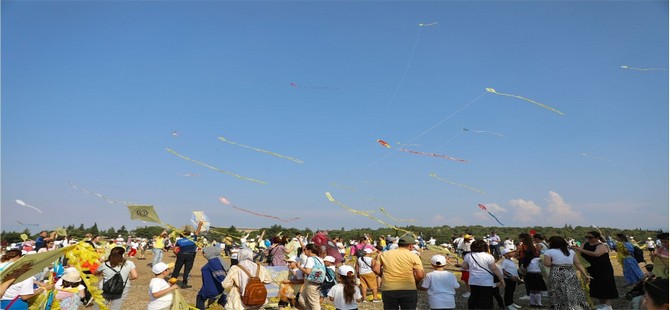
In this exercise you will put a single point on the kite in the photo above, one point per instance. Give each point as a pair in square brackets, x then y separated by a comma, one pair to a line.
[395, 219]
[483, 207]
[199, 216]
[190, 175]
[27, 224]
[262, 151]
[483, 131]
[426, 25]
[144, 213]
[23, 204]
[594, 157]
[432, 174]
[331, 199]
[216, 169]
[493, 91]
[384, 143]
[407, 144]
[175, 134]
[227, 202]
[343, 186]
[111, 201]
[642, 69]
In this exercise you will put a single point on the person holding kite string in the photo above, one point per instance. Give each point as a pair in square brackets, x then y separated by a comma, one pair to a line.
[186, 255]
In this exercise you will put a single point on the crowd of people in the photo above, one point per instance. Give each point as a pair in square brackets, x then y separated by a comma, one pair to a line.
[553, 271]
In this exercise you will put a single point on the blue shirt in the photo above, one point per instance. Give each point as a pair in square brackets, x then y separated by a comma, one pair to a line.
[186, 246]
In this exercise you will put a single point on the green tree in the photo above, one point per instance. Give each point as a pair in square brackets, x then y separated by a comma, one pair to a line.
[122, 230]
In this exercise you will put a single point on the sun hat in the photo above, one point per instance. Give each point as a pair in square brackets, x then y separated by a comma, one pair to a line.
[344, 270]
[504, 251]
[329, 259]
[291, 259]
[438, 260]
[72, 276]
[160, 267]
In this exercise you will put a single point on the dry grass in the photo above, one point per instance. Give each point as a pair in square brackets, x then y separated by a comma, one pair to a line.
[139, 298]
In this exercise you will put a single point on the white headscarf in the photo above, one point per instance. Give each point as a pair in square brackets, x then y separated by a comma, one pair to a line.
[246, 260]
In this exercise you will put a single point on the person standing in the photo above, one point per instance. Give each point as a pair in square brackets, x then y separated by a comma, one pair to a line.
[310, 294]
[494, 244]
[158, 248]
[631, 270]
[213, 274]
[564, 287]
[236, 280]
[482, 268]
[186, 255]
[117, 264]
[440, 284]
[400, 270]
[160, 292]
[603, 285]
[367, 277]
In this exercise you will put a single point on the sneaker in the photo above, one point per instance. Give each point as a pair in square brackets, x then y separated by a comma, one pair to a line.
[466, 295]
[89, 302]
[525, 298]
[376, 300]
[516, 306]
[186, 286]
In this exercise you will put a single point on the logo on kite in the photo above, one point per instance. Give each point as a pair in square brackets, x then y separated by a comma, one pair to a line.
[142, 212]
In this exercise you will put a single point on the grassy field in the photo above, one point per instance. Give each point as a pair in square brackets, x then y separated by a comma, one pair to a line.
[139, 296]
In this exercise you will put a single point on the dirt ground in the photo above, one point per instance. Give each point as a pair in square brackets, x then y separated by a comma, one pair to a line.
[139, 297]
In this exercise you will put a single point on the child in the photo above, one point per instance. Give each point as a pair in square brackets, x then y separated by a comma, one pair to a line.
[535, 282]
[159, 289]
[70, 290]
[367, 278]
[330, 280]
[289, 287]
[345, 295]
[440, 284]
[511, 276]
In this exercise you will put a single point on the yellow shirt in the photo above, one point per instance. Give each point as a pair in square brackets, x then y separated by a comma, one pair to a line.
[398, 267]
[159, 242]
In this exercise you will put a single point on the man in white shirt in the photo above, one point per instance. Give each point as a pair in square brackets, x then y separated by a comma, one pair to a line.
[494, 244]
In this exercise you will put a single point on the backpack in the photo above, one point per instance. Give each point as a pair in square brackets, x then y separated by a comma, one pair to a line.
[115, 285]
[637, 253]
[360, 252]
[318, 273]
[255, 293]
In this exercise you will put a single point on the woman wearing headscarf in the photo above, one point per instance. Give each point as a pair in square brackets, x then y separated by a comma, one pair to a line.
[236, 280]
[596, 253]
[116, 263]
[564, 287]
[631, 270]
[213, 274]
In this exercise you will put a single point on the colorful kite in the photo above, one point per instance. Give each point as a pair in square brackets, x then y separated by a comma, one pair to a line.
[432, 174]
[493, 91]
[331, 199]
[262, 151]
[227, 202]
[199, 216]
[109, 200]
[483, 207]
[23, 204]
[642, 69]
[216, 169]
[394, 218]
[384, 143]
[483, 131]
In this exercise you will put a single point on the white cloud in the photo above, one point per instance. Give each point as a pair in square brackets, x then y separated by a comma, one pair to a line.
[560, 212]
[527, 212]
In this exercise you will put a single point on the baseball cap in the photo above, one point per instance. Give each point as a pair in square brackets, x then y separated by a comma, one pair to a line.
[160, 267]
[344, 270]
[329, 259]
[438, 260]
[406, 240]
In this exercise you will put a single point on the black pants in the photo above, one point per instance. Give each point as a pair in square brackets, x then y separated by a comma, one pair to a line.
[405, 299]
[200, 301]
[510, 287]
[481, 297]
[498, 298]
[186, 260]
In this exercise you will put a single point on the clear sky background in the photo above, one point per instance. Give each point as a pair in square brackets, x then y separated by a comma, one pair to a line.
[92, 92]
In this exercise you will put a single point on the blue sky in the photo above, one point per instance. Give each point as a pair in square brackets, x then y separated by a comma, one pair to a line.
[92, 92]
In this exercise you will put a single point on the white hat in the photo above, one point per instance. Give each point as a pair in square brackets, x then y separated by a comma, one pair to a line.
[344, 270]
[438, 260]
[72, 276]
[160, 267]
[291, 259]
[504, 251]
[367, 250]
[329, 259]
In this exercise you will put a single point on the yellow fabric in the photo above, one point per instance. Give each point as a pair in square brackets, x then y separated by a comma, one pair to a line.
[398, 266]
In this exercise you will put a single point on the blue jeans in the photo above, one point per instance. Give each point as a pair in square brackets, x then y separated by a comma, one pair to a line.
[405, 299]
[158, 256]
